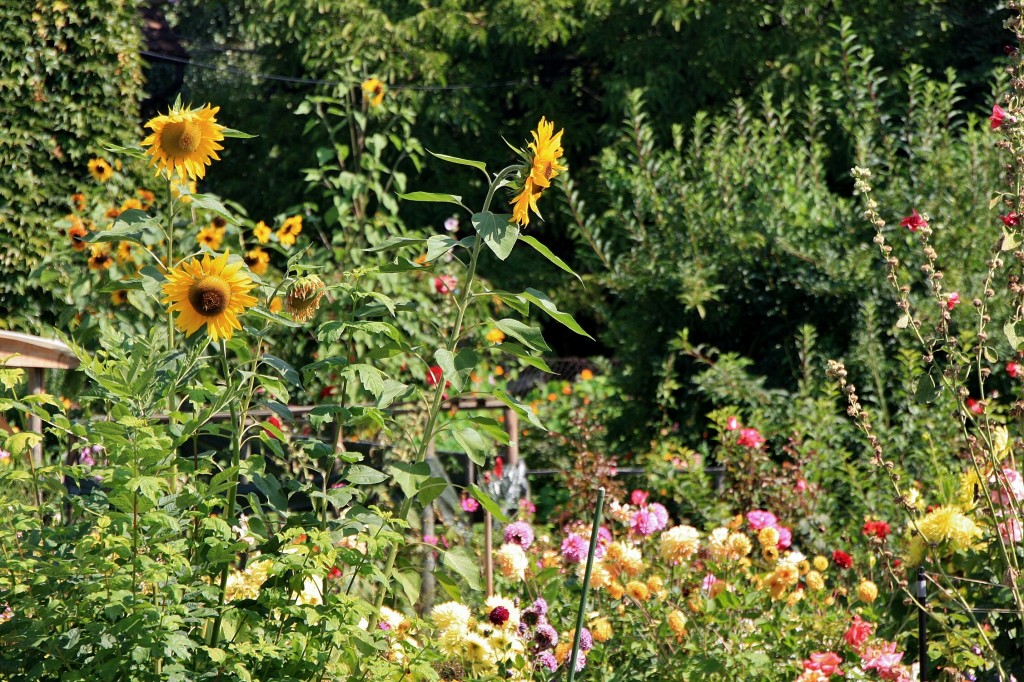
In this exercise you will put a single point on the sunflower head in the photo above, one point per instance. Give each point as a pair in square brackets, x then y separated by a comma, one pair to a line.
[77, 233]
[257, 260]
[100, 170]
[540, 168]
[119, 297]
[210, 291]
[99, 257]
[261, 232]
[184, 141]
[374, 89]
[304, 297]
[211, 237]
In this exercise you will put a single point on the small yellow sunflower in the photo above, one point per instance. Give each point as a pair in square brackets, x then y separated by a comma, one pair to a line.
[131, 203]
[124, 252]
[211, 237]
[375, 89]
[119, 297]
[100, 170]
[76, 233]
[99, 257]
[184, 141]
[146, 197]
[290, 229]
[261, 232]
[257, 260]
[210, 291]
[78, 201]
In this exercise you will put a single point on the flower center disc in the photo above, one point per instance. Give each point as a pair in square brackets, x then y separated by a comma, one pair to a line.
[210, 296]
[182, 138]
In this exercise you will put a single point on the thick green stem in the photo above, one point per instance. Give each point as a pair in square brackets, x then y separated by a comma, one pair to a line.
[428, 430]
[236, 454]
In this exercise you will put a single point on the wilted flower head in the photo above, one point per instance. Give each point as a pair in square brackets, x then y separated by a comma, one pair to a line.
[304, 297]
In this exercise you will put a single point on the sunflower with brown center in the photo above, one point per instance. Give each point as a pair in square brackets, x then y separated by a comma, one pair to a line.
[119, 297]
[99, 257]
[257, 260]
[211, 237]
[184, 141]
[374, 88]
[100, 170]
[290, 229]
[210, 291]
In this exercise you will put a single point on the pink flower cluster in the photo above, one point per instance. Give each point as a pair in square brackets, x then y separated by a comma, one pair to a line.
[748, 438]
[759, 518]
[649, 518]
[878, 655]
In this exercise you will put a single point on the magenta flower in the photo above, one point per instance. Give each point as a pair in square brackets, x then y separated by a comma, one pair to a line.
[1008, 487]
[639, 497]
[547, 660]
[732, 423]
[643, 522]
[1010, 531]
[519, 533]
[708, 581]
[952, 299]
[760, 518]
[574, 548]
[914, 221]
[785, 537]
[997, 117]
[660, 515]
[469, 504]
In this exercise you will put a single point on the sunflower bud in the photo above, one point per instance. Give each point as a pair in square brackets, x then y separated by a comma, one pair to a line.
[304, 297]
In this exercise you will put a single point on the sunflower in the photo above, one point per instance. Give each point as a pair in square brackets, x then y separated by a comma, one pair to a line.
[211, 237]
[184, 141]
[257, 260]
[543, 163]
[374, 88]
[100, 170]
[119, 297]
[78, 201]
[76, 233]
[210, 291]
[99, 257]
[261, 232]
[290, 229]
[124, 252]
[131, 203]
[304, 297]
[146, 197]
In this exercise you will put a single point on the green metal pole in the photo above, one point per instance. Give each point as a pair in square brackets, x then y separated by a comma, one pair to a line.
[586, 586]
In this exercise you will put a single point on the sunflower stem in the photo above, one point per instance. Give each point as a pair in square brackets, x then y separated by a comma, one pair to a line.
[236, 431]
[435, 406]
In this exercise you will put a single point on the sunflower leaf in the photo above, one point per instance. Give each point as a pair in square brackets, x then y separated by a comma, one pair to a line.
[498, 233]
[230, 132]
[433, 197]
[462, 162]
[546, 252]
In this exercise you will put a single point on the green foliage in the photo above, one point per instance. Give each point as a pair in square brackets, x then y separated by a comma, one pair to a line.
[71, 83]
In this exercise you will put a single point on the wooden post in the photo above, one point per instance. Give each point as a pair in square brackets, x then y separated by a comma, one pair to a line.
[35, 424]
[512, 429]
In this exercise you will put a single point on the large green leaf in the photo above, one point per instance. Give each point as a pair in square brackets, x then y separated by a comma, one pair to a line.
[546, 252]
[541, 300]
[465, 564]
[529, 336]
[498, 233]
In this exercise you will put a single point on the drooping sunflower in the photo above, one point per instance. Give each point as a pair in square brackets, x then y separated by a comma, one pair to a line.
[257, 260]
[543, 167]
[99, 257]
[100, 170]
[184, 141]
[210, 291]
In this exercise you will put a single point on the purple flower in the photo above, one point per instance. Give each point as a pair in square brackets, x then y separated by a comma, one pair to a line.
[545, 636]
[660, 514]
[586, 640]
[581, 660]
[708, 581]
[430, 540]
[519, 533]
[604, 535]
[574, 548]
[85, 458]
[547, 659]
[540, 605]
[643, 522]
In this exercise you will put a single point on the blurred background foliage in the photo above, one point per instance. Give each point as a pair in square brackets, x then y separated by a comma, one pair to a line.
[709, 204]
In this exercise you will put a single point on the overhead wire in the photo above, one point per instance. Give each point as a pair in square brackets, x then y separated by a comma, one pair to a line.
[316, 81]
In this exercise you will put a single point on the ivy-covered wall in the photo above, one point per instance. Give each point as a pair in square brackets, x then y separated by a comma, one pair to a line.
[70, 82]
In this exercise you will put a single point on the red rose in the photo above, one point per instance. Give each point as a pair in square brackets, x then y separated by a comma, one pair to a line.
[859, 633]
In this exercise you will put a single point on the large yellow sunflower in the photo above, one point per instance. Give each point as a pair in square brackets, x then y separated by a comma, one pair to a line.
[546, 149]
[210, 291]
[184, 141]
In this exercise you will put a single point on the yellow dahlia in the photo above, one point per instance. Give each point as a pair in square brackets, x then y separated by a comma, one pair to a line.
[601, 629]
[815, 581]
[867, 591]
[211, 292]
[637, 591]
[100, 170]
[184, 141]
[374, 88]
[949, 523]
